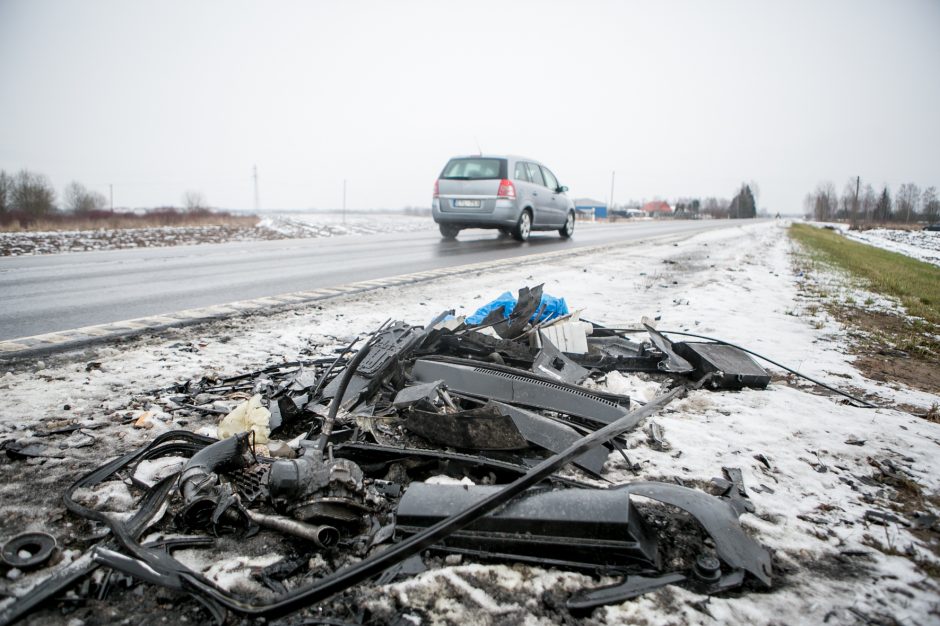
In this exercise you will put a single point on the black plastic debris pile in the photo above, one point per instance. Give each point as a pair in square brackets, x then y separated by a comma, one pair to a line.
[486, 441]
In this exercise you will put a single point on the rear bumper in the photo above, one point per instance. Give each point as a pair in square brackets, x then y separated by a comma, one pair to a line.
[505, 213]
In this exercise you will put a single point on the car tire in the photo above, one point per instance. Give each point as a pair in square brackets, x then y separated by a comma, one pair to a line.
[523, 226]
[568, 229]
[448, 231]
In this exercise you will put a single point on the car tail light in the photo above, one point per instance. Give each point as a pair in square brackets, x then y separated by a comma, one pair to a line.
[436, 193]
[506, 189]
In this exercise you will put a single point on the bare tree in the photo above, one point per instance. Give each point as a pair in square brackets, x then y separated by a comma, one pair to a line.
[194, 201]
[74, 196]
[825, 202]
[931, 204]
[809, 202]
[33, 194]
[6, 192]
[716, 207]
[847, 205]
[867, 202]
[80, 200]
[906, 202]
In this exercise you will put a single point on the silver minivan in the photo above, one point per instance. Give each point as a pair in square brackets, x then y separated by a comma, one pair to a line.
[514, 194]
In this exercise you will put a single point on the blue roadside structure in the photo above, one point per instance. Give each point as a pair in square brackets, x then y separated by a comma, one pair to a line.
[587, 205]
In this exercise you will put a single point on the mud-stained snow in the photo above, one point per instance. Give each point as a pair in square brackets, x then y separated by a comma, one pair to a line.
[810, 460]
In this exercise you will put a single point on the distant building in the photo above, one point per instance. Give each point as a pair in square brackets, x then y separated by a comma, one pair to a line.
[657, 208]
[587, 204]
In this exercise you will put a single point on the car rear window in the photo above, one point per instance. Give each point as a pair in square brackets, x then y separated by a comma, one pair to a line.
[474, 169]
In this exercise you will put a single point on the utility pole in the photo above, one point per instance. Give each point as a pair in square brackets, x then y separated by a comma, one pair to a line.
[344, 201]
[257, 197]
[610, 205]
[111, 193]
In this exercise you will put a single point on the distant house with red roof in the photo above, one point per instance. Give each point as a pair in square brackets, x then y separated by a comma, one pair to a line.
[657, 208]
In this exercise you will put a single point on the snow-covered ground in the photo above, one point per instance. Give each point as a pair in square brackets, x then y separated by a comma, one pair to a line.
[56, 242]
[919, 244]
[813, 464]
[271, 226]
[333, 224]
[923, 245]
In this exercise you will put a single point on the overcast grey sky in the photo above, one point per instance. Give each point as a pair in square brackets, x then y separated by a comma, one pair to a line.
[680, 98]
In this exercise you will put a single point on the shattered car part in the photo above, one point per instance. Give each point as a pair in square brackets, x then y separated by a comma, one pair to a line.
[28, 550]
[672, 362]
[572, 524]
[482, 428]
[251, 483]
[311, 487]
[323, 536]
[508, 317]
[515, 386]
[376, 458]
[720, 521]
[428, 392]
[657, 438]
[616, 353]
[389, 345]
[553, 436]
[735, 368]
[569, 335]
[473, 344]
[207, 502]
[20, 451]
[551, 362]
[632, 587]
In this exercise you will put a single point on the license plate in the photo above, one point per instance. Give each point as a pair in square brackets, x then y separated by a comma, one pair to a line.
[467, 204]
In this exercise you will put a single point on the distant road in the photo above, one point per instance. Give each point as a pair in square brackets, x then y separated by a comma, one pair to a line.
[41, 294]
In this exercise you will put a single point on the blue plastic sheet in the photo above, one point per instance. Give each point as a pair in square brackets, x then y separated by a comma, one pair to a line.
[550, 306]
[505, 300]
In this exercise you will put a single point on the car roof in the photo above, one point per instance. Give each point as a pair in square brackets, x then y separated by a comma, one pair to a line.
[511, 157]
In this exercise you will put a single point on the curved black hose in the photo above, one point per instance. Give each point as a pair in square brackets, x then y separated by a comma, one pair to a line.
[351, 367]
[329, 370]
[318, 388]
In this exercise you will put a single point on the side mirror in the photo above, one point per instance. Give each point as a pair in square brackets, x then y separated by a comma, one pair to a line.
[562, 189]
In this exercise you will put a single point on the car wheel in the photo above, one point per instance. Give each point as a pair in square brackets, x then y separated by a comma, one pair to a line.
[448, 231]
[523, 226]
[568, 229]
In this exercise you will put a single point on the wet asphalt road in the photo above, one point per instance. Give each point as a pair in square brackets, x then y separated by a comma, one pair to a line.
[41, 294]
